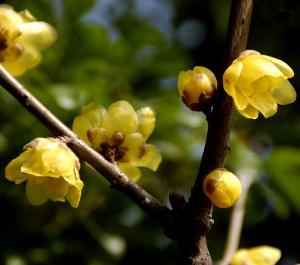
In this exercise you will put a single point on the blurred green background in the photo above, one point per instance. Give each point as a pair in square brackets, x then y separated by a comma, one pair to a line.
[109, 50]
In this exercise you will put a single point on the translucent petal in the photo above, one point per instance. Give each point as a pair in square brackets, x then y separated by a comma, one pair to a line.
[182, 78]
[35, 192]
[73, 196]
[56, 189]
[97, 136]
[10, 19]
[264, 255]
[120, 117]
[255, 66]
[94, 114]
[208, 73]
[74, 180]
[81, 125]
[135, 144]
[151, 159]
[29, 58]
[13, 169]
[231, 76]
[146, 117]
[264, 103]
[285, 94]
[240, 100]
[36, 34]
[249, 112]
[131, 171]
[50, 159]
[282, 66]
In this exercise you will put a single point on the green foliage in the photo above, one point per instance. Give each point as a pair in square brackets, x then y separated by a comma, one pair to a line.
[88, 63]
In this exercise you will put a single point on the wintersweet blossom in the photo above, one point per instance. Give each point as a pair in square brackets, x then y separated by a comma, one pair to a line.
[21, 39]
[119, 134]
[257, 83]
[261, 255]
[222, 187]
[51, 170]
[197, 87]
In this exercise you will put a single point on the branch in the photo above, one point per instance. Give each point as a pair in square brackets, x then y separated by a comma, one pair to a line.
[197, 217]
[237, 216]
[118, 179]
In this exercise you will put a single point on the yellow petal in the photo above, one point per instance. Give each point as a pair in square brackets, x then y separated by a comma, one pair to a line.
[94, 114]
[10, 19]
[35, 193]
[50, 159]
[183, 77]
[208, 73]
[151, 159]
[264, 255]
[231, 76]
[81, 125]
[255, 67]
[97, 136]
[146, 117]
[131, 171]
[135, 144]
[240, 100]
[285, 94]
[73, 196]
[249, 112]
[13, 169]
[56, 189]
[120, 117]
[29, 58]
[282, 66]
[36, 34]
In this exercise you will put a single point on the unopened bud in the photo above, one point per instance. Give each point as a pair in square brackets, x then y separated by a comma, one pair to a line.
[222, 187]
[197, 88]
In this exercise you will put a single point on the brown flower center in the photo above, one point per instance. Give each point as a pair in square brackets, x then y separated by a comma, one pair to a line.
[112, 149]
[9, 51]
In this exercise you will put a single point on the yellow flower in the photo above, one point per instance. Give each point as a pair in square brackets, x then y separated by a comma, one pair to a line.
[222, 187]
[51, 170]
[257, 83]
[119, 134]
[197, 88]
[262, 255]
[21, 39]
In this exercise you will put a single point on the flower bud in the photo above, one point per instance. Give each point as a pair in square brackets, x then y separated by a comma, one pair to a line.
[222, 187]
[197, 88]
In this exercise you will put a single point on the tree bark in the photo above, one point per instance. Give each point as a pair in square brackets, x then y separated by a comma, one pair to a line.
[196, 218]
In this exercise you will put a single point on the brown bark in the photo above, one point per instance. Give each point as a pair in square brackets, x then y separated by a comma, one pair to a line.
[196, 218]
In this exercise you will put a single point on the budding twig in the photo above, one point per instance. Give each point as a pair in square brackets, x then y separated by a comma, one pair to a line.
[111, 172]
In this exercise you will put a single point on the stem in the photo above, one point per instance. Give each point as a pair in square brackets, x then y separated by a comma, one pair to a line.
[198, 212]
[111, 172]
[237, 216]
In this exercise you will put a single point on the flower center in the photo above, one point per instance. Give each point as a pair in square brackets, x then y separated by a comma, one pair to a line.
[3, 39]
[9, 51]
[112, 149]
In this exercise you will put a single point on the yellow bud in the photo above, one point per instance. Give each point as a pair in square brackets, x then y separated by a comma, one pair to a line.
[197, 88]
[222, 187]
[261, 255]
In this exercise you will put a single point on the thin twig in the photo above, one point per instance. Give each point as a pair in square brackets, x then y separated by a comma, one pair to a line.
[112, 173]
[198, 213]
[247, 177]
